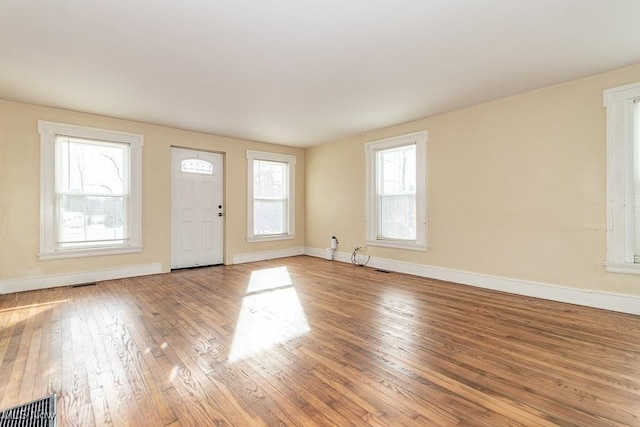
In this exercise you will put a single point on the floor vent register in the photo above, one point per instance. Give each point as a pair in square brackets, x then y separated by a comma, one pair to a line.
[39, 413]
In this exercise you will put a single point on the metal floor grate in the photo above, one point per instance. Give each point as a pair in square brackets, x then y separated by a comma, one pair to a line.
[39, 413]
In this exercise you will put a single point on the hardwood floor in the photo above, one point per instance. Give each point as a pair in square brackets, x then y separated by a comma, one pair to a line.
[304, 341]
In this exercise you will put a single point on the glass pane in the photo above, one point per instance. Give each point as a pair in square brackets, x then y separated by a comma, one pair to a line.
[269, 217]
[398, 217]
[91, 221]
[84, 166]
[269, 179]
[397, 170]
[396, 186]
[197, 166]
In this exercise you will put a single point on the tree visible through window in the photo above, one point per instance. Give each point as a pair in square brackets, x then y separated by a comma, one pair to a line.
[91, 192]
[396, 191]
[271, 198]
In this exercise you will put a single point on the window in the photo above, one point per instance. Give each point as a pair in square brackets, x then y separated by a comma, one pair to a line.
[90, 192]
[396, 191]
[271, 196]
[197, 166]
[623, 178]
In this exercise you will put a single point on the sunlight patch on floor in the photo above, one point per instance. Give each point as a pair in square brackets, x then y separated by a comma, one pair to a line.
[13, 315]
[271, 313]
[270, 278]
[29, 306]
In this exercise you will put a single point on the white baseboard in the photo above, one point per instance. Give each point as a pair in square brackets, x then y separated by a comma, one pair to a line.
[262, 256]
[55, 280]
[608, 301]
[320, 253]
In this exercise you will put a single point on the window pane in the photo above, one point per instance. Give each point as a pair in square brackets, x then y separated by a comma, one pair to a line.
[91, 221]
[269, 216]
[86, 166]
[270, 197]
[92, 187]
[398, 217]
[397, 170]
[396, 188]
[269, 179]
[196, 166]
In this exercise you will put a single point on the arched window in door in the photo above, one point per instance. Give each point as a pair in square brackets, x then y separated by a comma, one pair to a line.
[196, 166]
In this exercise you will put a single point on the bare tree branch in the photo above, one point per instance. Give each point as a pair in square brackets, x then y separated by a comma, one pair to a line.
[114, 163]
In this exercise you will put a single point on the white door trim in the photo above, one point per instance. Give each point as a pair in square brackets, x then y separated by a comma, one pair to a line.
[197, 208]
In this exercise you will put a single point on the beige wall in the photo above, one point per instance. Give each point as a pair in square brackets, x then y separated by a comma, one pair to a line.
[516, 188]
[20, 192]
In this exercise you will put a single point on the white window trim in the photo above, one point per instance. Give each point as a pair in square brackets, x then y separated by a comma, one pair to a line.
[48, 132]
[291, 212]
[420, 140]
[619, 103]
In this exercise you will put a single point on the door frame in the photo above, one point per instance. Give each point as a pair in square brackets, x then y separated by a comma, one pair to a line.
[224, 202]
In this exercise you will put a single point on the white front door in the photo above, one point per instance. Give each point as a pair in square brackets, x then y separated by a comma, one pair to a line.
[197, 222]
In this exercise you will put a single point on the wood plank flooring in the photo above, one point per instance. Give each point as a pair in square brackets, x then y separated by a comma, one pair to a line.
[303, 341]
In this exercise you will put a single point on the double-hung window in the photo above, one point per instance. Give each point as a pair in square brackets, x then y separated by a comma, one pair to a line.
[396, 191]
[271, 196]
[90, 191]
[623, 178]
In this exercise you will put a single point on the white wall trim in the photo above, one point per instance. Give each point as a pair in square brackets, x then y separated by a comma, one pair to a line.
[262, 256]
[623, 268]
[608, 301]
[55, 280]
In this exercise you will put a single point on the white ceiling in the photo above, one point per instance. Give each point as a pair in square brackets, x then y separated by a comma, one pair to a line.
[301, 72]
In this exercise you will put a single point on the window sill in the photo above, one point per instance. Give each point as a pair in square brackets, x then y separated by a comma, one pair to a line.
[78, 253]
[255, 239]
[623, 268]
[397, 245]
